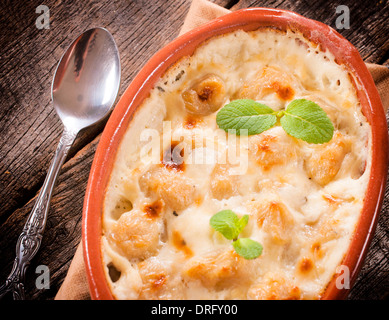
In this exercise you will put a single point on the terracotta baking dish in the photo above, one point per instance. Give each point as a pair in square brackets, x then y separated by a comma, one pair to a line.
[247, 19]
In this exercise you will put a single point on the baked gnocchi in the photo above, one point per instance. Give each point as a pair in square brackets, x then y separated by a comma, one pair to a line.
[302, 200]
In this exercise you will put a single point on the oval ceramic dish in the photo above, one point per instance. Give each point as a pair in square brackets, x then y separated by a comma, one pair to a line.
[247, 19]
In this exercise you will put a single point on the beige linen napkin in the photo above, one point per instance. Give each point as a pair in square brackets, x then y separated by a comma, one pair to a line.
[75, 286]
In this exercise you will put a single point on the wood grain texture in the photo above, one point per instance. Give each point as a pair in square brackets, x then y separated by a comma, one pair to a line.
[30, 129]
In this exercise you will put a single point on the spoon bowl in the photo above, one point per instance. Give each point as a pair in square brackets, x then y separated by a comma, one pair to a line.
[87, 79]
[84, 90]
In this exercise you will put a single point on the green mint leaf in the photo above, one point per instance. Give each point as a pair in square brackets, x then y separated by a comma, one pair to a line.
[227, 223]
[230, 226]
[246, 114]
[242, 222]
[247, 248]
[305, 120]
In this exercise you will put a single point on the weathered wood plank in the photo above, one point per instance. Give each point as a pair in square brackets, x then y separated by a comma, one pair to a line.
[63, 229]
[29, 128]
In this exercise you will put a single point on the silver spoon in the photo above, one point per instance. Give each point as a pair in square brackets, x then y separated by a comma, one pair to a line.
[83, 91]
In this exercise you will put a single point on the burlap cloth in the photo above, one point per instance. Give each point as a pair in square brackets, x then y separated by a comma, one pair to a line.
[75, 285]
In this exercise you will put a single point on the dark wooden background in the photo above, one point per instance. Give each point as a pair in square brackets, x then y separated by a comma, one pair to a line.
[30, 129]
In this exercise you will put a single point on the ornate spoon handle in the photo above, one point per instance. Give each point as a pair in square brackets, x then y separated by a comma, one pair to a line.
[30, 239]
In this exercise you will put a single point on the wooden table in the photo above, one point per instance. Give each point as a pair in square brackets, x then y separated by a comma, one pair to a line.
[30, 128]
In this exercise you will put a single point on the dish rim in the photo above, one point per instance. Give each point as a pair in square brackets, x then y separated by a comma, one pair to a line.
[246, 19]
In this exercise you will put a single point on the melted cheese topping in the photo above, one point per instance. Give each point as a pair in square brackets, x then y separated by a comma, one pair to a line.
[303, 200]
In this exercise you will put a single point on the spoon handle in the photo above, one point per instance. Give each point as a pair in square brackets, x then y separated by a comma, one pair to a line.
[30, 239]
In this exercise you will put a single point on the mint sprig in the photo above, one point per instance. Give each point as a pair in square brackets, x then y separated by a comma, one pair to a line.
[302, 119]
[306, 120]
[230, 226]
[247, 248]
[246, 114]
